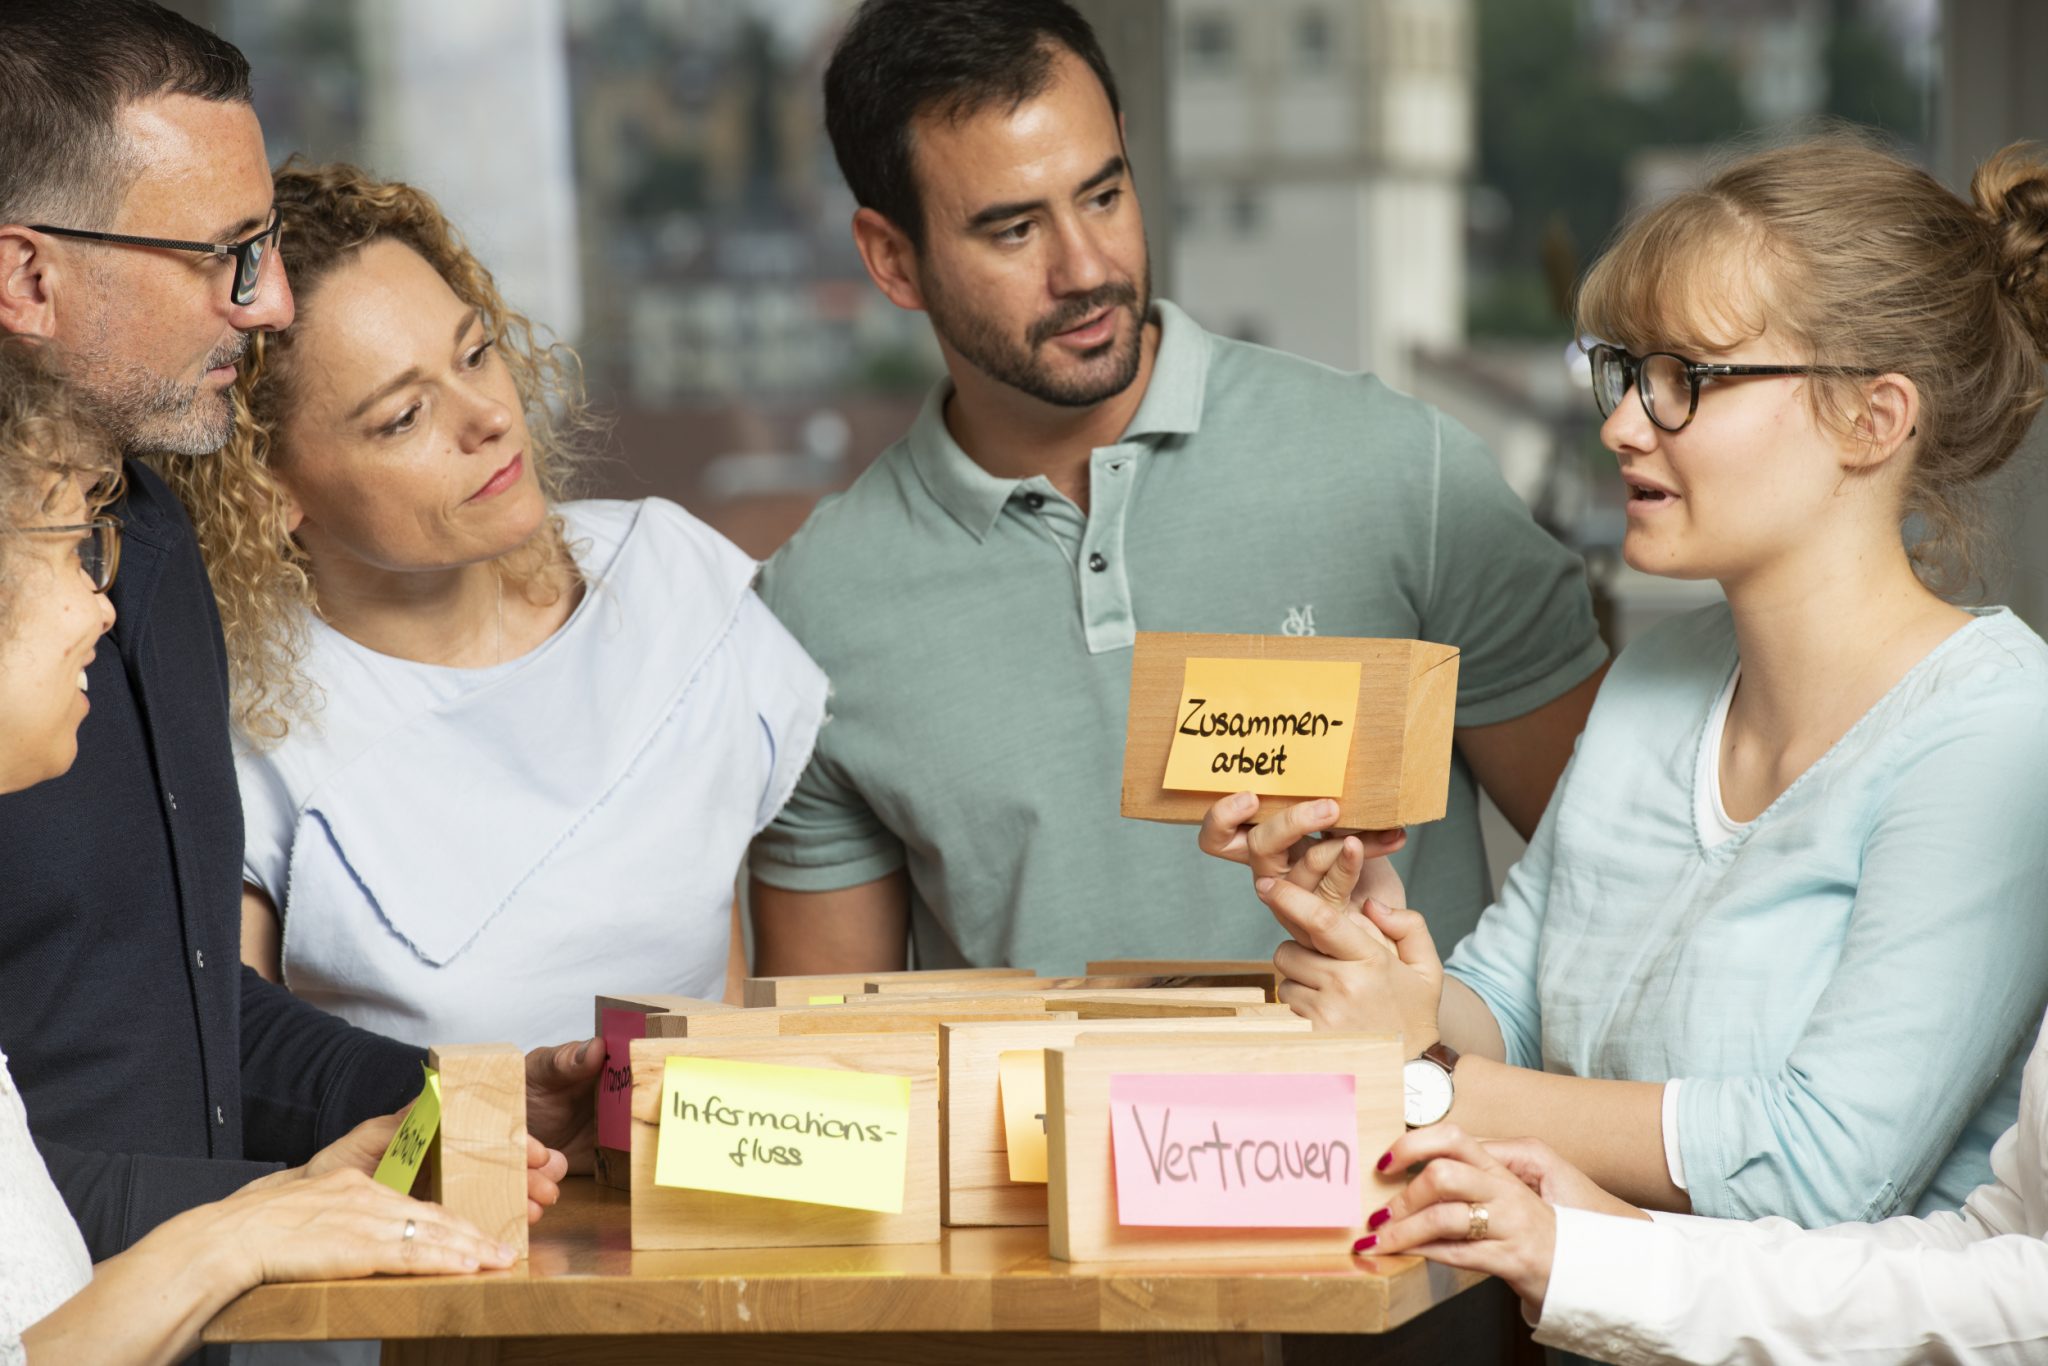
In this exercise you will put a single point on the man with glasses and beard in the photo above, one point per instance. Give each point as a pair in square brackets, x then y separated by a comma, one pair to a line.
[1093, 464]
[138, 239]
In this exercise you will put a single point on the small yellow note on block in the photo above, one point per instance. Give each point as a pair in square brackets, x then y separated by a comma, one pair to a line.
[1282, 727]
[1021, 1078]
[400, 1165]
[814, 1134]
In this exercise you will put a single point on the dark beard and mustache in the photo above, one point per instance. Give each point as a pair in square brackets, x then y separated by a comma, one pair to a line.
[982, 340]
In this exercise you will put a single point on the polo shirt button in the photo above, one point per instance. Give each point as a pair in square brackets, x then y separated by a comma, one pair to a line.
[172, 798]
[200, 954]
[1097, 563]
[1034, 501]
[219, 1115]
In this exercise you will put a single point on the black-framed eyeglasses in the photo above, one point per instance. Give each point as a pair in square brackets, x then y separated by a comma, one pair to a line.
[249, 253]
[99, 547]
[1669, 386]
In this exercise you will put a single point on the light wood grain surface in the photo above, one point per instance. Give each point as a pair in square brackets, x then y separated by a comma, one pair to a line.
[583, 1279]
[1399, 768]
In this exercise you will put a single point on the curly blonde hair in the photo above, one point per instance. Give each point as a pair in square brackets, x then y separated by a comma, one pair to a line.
[44, 431]
[1869, 263]
[262, 577]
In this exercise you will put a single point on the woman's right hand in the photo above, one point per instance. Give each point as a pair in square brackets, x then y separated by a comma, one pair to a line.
[343, 1225]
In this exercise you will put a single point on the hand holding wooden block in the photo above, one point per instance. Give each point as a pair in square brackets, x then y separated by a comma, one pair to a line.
[477, 1166]
[1396, 742]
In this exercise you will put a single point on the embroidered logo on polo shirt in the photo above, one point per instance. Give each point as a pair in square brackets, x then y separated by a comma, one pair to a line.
[1301, 621]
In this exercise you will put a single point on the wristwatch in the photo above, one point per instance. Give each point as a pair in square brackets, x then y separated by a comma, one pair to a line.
[1426, 1083]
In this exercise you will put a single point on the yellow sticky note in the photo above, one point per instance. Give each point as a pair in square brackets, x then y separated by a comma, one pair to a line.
[1021, 1078]
[814, 1134]
[1277, 726]
[827, 1001]
[400, 1165]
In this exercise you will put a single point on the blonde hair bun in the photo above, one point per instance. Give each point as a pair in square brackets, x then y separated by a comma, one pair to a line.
[2011, 190]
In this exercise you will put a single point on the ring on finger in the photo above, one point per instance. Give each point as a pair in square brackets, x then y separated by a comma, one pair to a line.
[411, 1231]
[1476, 1228]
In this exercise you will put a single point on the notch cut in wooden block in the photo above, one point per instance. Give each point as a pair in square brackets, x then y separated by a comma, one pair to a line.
[1081, 1203]
[974, 1150]
[611, 1165]
[1262, 981]
[673, 1217]
[799, 991]
[1183, 967]
[913, 1017]
[476, 1166]
[1399, 765]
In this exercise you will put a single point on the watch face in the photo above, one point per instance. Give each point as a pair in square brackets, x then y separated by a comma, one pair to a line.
[1427, 1091]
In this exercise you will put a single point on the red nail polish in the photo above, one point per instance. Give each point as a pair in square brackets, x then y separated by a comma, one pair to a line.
[1363, 1245]
[1380, 1218]
[1386, 1159]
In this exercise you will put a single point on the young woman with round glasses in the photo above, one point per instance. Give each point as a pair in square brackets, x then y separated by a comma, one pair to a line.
[1781, 938]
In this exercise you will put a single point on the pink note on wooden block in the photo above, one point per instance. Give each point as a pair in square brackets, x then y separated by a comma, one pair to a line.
[1235, 1150]
[615, 1083]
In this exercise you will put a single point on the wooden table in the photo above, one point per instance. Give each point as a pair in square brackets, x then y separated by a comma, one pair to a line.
[977, 1296]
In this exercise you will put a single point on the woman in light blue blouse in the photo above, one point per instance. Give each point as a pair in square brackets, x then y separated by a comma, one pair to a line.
[1782, 934]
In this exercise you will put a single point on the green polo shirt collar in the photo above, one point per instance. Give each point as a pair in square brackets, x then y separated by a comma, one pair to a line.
[1172, 406]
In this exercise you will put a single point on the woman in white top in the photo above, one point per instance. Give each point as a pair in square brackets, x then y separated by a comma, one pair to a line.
[326, 1219]
[499, 752]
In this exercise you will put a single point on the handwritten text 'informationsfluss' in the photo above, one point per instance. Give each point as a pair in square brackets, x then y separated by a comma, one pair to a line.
[1276, 726]
[1210, 1150]
[818, 1135]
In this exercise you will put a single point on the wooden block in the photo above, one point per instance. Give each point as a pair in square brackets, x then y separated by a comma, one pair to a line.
[1262, 981]
[1398, 772]
[974, 1152]
[668, 1217]
[1081, 1194]
[477, 1164]
[613, 1166]
[798, 991]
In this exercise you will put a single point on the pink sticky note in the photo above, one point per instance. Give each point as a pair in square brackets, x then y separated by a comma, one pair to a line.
[1230, 1150]
[615, 1084]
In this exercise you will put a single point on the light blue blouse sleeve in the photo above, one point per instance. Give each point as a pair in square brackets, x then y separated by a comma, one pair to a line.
[1498, 959]
[1941, 979]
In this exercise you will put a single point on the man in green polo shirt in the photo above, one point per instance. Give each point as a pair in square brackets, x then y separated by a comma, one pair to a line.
[1096, 464]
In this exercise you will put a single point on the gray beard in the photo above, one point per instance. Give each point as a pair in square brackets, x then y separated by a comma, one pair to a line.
[148, 414]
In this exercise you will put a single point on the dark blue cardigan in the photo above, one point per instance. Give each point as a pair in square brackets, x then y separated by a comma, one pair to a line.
[157, 1071]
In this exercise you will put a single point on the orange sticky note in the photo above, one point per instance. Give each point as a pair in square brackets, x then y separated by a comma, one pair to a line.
[1021, 1081]
[1282, 727]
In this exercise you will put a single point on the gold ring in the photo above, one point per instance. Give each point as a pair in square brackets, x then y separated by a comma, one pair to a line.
[1476, 1230]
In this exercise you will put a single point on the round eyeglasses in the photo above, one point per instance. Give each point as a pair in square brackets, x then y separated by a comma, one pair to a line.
[1669, 386]
[99, 547]
[249, 253]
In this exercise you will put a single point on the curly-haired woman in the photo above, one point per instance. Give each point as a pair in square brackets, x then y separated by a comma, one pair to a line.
[499, 751]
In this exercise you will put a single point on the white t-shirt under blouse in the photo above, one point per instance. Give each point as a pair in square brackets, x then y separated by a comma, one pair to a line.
[461, 855]
[43, 1261]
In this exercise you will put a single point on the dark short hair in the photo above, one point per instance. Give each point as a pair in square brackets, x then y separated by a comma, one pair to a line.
[901, 59]
[67, 68]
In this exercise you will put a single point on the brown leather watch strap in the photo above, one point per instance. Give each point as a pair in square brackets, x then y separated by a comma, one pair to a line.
[1443, 1055]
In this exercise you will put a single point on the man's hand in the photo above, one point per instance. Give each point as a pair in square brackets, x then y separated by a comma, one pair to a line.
[561, 1100]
